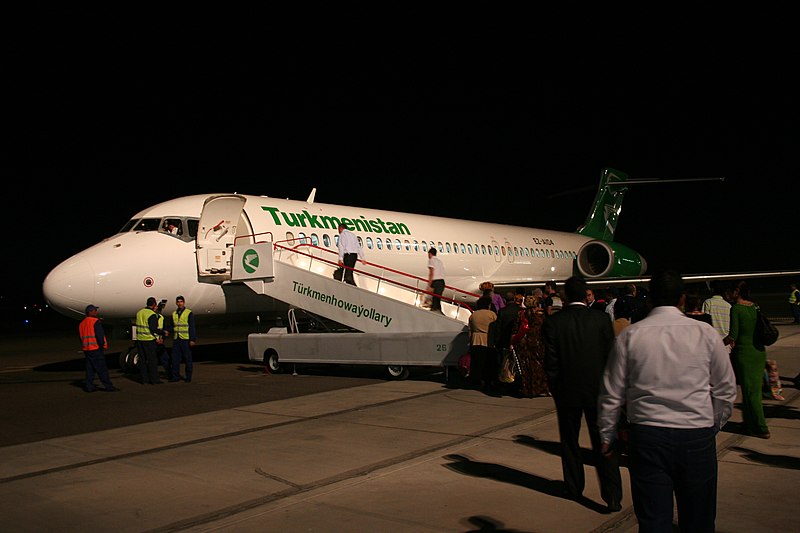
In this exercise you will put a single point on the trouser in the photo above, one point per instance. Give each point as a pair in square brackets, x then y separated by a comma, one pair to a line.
[795, 312]
[437, 288]
[164, 359]
[482, 366]
[664, 461]
[569, 416]
[148, 362]
[349, 261]
[96, 364]
[182, 352]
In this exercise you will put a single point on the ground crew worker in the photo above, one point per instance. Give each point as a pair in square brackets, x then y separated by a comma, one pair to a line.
[94, 344]
[184, 338]
[147, 329]
[794, 302]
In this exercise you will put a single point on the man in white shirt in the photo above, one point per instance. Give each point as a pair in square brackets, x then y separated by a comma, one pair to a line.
[674, 377]
[435, 279]
[349, 252]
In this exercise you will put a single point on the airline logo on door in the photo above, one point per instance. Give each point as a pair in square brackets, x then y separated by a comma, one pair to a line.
[252, 261]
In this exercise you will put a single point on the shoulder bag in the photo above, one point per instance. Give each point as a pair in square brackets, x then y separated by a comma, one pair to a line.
[766, 333]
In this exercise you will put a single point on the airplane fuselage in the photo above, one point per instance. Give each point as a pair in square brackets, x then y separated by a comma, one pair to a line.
[149, 257]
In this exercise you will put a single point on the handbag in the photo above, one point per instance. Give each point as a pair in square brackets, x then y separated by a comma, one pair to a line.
[464, 364]
[766, 333]
[509, 367]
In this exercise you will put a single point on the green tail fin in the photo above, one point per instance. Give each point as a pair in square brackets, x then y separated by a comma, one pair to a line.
[602, 220]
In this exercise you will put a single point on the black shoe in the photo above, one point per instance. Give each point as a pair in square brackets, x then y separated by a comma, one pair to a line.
[111, 389]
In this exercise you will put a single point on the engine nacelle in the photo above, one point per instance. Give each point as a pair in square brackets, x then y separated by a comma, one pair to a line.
[600, 259]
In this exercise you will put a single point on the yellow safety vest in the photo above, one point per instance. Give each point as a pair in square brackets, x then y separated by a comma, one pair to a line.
[180, 324]
[142, 327]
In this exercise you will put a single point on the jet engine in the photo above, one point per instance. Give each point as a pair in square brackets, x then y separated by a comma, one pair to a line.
[600, 259]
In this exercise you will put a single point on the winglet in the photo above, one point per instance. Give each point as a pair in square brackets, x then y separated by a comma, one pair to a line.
[311, 196]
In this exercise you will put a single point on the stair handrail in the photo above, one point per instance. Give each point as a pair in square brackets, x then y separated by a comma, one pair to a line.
[279, 246]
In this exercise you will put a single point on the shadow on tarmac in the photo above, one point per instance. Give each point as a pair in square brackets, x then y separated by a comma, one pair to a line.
[504, 474]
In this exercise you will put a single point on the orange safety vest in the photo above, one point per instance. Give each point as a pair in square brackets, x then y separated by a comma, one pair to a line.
[86, 331]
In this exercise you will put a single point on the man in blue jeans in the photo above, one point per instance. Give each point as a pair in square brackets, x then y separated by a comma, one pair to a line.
[673, 376]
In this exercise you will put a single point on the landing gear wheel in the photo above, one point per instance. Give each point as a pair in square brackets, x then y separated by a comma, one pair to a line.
[129, 360]
[398, 372]
[272, 363]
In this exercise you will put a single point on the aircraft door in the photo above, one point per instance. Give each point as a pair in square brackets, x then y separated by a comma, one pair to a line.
[498, 256]
[219, 223]
[509, 252]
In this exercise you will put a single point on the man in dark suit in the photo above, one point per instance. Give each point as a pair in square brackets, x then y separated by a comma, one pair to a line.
[577, 342]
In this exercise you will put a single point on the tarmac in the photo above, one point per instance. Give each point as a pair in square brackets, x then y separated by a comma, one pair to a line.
[396, 456]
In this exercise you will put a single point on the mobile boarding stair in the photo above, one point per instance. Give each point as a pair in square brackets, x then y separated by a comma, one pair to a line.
[386, 309]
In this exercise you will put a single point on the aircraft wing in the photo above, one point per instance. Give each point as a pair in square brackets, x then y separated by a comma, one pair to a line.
[689, 278]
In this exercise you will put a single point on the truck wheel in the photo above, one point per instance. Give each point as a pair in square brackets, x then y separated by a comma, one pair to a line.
[398, 372]
[271, 360]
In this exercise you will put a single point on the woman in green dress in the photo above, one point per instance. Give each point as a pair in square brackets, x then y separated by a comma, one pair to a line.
[749, 358]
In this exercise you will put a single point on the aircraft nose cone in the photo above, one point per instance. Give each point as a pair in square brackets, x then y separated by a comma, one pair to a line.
[69, 287]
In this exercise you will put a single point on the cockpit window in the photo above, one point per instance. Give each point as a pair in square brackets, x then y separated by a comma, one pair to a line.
[192, 224]
[148, 224]
[129, 225]
[173, 226]
[184, 229]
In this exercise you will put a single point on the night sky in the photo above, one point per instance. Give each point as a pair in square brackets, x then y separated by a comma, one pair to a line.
[93, 136]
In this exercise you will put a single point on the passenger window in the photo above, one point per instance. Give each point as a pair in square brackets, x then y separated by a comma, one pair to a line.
[407, 245]
[424, 246]
[369, 243]
[447, 247]
[388, 244]
[416, 246]
[327, 240]
[314, 239]
[289, 238]
[302, 238]
[379, 243]
[441, 248]
[397, 244]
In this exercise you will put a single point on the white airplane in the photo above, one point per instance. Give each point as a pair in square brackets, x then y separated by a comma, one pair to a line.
[148, 258]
